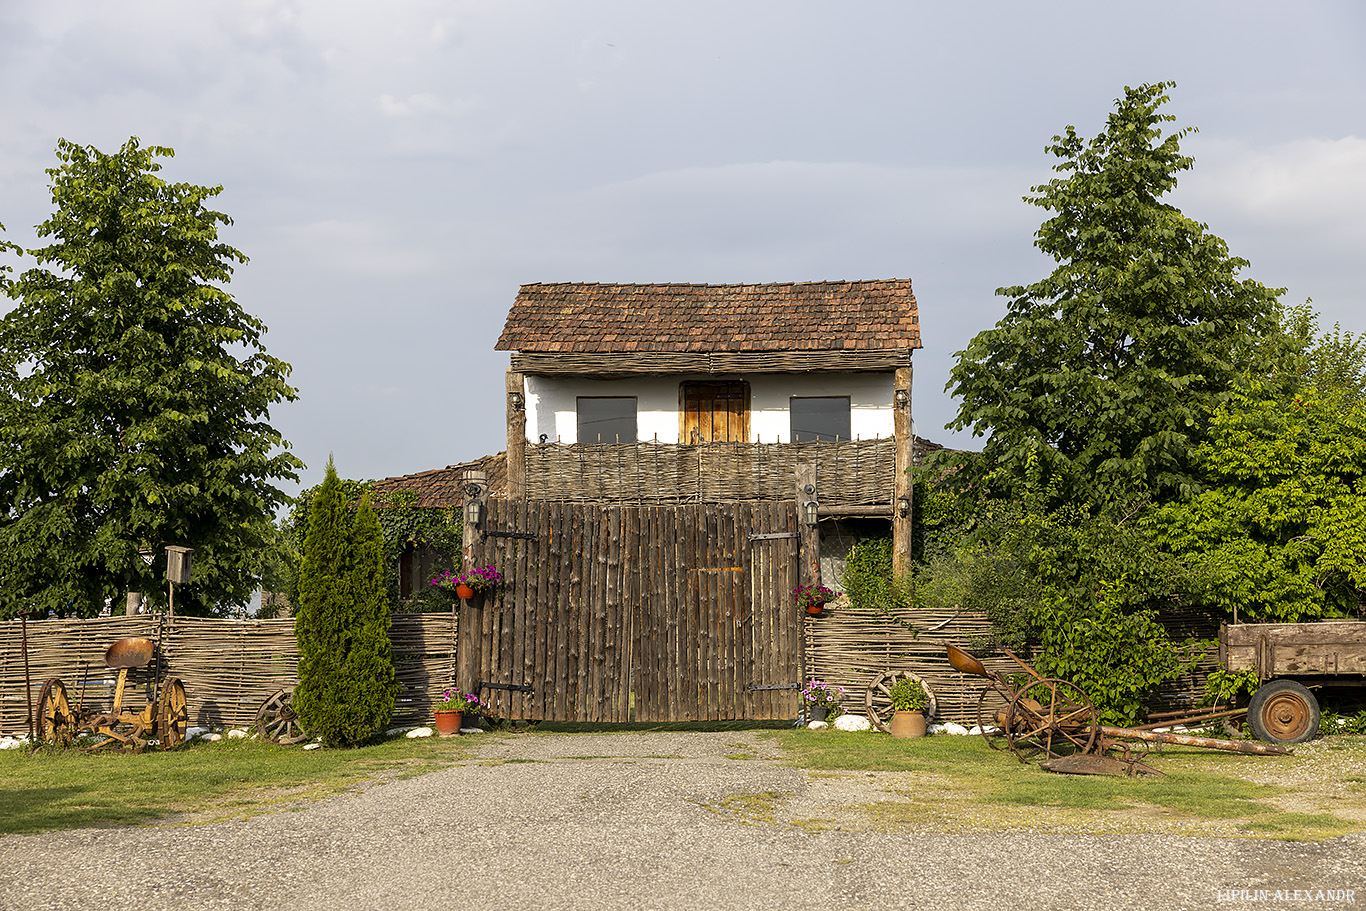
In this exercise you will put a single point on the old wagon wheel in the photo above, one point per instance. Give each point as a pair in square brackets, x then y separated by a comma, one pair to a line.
[1051, 718]
[991, 710]
[173, 714]
[877, 702]
[54, 721]
[276, 721]
[1283, 711]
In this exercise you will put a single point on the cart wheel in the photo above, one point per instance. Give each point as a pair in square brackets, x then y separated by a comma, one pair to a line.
[1049, 719]
[877, 703]
[276, 721]
[173, 714]
[54, 722]
[992, 702]
[1283, 711]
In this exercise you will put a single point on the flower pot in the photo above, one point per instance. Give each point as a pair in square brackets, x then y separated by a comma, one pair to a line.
[817, 713]
[815, 610]
[464, 592]
[907, 724]
[448, 723]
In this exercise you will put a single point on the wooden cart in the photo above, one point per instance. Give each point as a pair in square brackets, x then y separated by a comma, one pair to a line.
[164, 719]
[1289, 658]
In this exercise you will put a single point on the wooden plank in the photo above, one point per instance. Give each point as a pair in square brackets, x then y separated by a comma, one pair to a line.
[1329, 632]
[564, 559]
[611, 645]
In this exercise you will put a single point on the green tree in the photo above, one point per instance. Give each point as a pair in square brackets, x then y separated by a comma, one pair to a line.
[1108, 369]
[134, 397]
[347, 685]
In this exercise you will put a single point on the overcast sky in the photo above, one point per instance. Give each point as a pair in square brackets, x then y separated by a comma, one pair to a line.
[396, 170]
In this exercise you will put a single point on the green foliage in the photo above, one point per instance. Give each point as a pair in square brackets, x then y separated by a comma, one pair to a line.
[1224, 686]
[1083, 588]
[908, 695]
[347, 685]
[1281, 529]
[1106, 371]
[403, 524]
[135, 398]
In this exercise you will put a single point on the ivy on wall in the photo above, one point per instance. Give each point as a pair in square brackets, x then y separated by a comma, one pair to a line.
[403, 525]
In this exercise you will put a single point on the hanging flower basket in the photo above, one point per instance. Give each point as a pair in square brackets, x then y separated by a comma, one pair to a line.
[813, 598]
[468, 585]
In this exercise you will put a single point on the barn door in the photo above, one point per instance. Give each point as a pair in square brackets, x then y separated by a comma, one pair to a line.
[713, 412]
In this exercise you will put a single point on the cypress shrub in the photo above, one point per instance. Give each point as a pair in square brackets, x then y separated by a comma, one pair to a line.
[347, 684]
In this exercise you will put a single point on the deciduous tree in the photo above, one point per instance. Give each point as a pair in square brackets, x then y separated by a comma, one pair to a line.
[134, 397]
[1107, 370]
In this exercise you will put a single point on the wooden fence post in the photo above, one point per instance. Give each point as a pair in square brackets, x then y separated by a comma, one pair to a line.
[808, 532]
[516, 421]
[903, 488]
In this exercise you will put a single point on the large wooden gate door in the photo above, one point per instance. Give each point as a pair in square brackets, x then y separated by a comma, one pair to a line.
[636, 613]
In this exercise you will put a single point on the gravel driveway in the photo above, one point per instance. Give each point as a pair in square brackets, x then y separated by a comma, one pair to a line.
[639, 821]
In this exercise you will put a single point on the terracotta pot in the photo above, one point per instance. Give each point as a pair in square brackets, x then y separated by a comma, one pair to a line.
[464, 592]
[907, 724]
[815, 610]
[448, 723]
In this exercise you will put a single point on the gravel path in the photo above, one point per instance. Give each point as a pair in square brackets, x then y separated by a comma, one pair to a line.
[638, 821]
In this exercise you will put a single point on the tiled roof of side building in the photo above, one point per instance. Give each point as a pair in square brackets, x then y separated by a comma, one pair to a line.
[810, 316]
[442, 486]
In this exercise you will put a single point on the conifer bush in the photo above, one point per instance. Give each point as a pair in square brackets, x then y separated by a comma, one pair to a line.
[347, 684]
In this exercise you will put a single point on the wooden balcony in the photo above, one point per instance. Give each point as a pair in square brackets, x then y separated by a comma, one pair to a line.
[850, 475]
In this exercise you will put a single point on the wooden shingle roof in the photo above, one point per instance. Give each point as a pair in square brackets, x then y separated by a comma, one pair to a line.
[801, 316]
[442, 486]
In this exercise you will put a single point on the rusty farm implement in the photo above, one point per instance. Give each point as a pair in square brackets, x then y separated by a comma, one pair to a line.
[164, 719]
[1054, 722]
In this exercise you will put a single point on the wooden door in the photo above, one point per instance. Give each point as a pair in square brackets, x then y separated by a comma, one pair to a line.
[714, 412]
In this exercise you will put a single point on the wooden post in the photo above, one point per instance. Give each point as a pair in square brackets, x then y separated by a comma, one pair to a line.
[903, 489]
[476, 490]
[132, 602]
[808, 532]
[516, 415]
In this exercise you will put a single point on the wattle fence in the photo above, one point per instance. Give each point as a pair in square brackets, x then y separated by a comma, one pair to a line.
[229, 667]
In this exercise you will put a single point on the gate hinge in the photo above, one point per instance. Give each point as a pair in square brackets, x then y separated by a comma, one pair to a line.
[521, 535]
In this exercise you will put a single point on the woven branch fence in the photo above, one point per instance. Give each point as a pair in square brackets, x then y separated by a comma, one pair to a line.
[229, 667]
[850, 647]
[851, 472]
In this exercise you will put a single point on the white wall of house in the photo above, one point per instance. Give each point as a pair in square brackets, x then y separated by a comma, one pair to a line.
[550, 403]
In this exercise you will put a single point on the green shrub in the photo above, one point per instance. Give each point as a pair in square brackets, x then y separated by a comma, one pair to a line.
[347, 685]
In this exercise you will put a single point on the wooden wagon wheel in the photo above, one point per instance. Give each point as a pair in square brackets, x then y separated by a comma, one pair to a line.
[1052, 718]
[877, 702]
[991, 709]
[276, 721]
[54, 721]
[173, 714]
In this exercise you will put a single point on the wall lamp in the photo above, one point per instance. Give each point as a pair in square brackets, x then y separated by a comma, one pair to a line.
[474, 506]
[903, 506]
[902, 398]
[810, 512]
[516, 400]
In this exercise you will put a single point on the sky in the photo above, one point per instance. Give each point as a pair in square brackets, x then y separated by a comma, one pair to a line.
[395, 171]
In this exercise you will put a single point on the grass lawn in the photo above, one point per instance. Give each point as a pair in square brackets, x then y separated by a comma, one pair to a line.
[958, 784]
[67, 789]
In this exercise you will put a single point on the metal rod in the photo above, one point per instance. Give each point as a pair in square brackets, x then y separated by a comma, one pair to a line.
[1211, 743]
[1191, 719]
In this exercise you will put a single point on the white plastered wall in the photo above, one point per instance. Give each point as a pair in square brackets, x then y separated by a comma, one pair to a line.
[550, 403]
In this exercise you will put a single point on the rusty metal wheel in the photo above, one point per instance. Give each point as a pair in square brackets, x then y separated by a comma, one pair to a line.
[877, 702]
[54, 721]
[276, 721]
[1283, 711]
[173, 714]
[991, 709]
[1051, 718]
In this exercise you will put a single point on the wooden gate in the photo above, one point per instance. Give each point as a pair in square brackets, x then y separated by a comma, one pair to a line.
[617, 613]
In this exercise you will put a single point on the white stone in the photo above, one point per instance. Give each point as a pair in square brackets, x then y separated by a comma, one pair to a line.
[313, 746]
[10, 743]
[236, 734]
[421, 732]
[212, 738]
[817, 726]
[191, 733]
[471, 730]
[394, 732]
[853, 723]
[956, 730]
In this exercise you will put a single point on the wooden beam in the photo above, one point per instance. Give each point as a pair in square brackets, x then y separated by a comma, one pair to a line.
[516, 443]
[808, 535]
[903, 490]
